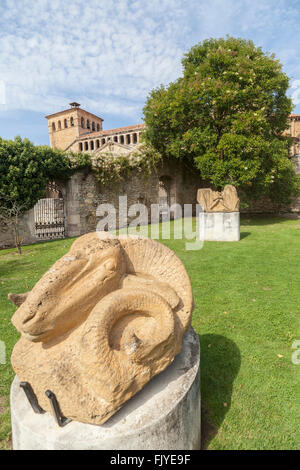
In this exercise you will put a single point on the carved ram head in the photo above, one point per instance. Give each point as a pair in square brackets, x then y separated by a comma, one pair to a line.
[104, 320]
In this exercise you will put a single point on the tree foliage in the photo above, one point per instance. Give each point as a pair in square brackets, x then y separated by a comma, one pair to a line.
[225, 116]
[25, 170]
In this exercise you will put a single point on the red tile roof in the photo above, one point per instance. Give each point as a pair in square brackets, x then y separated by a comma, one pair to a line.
[111, 131]
[122, 129]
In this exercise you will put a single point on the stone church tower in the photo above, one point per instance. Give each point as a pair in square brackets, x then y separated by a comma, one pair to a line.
[81, 131]
[66, 126]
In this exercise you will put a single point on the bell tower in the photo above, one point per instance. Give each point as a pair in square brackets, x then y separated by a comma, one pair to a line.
[66, 126]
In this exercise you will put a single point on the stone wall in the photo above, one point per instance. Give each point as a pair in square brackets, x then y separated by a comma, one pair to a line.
[265, 206]
[82, 194]
[26, 232]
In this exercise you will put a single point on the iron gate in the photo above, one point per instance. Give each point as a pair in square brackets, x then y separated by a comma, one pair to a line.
[49, 218]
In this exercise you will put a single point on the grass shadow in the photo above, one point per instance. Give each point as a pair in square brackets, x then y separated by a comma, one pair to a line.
[262, 219]
[244, 235]
[220, 363]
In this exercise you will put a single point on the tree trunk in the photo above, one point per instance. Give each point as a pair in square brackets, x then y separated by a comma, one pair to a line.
[17, 236]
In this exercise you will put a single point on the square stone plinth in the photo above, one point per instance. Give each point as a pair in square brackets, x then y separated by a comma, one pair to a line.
[219, 226]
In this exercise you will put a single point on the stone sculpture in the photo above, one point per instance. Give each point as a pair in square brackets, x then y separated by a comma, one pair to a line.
[215, 201]
[104, 320]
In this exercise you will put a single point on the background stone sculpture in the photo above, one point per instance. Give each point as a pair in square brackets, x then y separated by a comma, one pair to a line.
[104, 320]
[215, 201]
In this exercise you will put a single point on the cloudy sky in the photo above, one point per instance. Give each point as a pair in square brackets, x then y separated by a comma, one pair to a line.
[108, 54]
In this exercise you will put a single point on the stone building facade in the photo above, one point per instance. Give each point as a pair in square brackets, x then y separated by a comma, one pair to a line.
[80, 131]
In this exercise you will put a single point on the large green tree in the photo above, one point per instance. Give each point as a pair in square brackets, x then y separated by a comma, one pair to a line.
[226, 116]
[25, 169]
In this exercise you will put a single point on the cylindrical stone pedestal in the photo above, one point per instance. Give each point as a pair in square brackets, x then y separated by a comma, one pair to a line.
[164, 415]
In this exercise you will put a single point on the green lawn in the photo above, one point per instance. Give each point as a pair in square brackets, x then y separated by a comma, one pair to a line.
[247, 301]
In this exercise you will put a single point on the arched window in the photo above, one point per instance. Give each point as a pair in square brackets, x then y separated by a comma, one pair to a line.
[88, 124]
[86, 145]
[98, 127]
[92, 145]
[66, 123]
[97, 143]
[93, 126]
[115, 138]
[72, 121]
[53, 126]
[80, 147]
[59, 125]
[102, 141]
[121, 139]
[82, 123]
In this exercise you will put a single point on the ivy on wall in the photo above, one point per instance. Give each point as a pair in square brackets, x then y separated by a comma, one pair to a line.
[110, 168]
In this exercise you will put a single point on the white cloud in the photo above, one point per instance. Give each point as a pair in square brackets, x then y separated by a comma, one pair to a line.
[296, 91]
[109, 54]
[2, 92]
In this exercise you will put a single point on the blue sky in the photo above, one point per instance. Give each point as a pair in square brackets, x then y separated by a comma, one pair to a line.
[108, 54]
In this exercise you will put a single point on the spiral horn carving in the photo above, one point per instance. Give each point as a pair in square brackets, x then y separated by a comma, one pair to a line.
[128, 338]
[155, 261]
